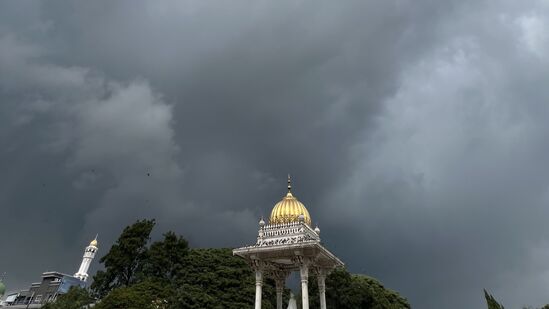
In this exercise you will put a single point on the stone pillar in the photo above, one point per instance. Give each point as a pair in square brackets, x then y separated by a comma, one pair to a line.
[322, 288]
[280, 276]
[304, 271]
[258, 287]
[279, 291]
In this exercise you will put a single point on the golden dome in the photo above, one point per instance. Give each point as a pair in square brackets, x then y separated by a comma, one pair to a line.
[94, 242]
[289, 209]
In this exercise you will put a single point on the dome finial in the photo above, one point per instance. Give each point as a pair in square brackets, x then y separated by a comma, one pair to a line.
[289, 183]
[94, 241]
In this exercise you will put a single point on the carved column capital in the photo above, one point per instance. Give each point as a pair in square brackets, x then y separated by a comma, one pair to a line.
[259, 268]
[279, 274]
[303, 264]
[321, 271]
[257, 264]
[300, 260]
[280, 279]
[321, 279]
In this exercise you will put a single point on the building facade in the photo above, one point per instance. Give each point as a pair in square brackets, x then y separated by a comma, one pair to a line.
[52, 284]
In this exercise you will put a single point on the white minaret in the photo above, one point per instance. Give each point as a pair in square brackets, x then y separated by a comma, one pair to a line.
[89, 254]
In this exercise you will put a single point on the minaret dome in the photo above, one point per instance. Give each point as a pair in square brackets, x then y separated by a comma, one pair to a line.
[94, 243]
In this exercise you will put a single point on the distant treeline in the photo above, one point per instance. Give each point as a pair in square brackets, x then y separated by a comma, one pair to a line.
[168, 274]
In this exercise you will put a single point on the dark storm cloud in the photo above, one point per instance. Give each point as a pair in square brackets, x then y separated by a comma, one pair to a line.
[414, 129]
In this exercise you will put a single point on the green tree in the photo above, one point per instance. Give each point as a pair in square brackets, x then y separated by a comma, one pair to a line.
[147, 294]
[491, 301]
[169, 275]
[125, 258]
[76, 298]
[190, 296]
[166, 259]
[349, 291]
[214, 278]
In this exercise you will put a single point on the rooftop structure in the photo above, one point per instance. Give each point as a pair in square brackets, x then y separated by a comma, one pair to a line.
[286, 244]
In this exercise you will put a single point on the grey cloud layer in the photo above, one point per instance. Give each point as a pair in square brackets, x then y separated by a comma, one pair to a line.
[414, 129]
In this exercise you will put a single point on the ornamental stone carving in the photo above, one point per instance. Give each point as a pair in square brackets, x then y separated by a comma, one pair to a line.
[288, 243]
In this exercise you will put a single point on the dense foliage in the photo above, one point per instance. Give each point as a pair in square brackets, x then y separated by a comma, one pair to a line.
[225, 279]
[125, 260]
[147, 294]
[349, 291]
[168, 275]
[166, 259]
[76, 298]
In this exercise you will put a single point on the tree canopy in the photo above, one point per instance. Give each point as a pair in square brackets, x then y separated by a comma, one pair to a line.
[125, 259]
[146, 294]
[214, 278]
[349, 291]
[167, 274]
[166, 259]
[76, 298]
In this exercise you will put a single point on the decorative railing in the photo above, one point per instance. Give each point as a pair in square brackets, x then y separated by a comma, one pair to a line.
[285, 234]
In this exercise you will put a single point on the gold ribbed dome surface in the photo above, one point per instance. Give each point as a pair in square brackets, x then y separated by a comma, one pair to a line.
[94, 242]
[289, 209]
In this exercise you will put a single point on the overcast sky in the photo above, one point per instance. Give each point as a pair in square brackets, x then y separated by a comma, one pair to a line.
[416, 131]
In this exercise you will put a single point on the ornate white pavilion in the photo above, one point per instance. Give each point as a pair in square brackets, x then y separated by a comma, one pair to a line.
[286, 244]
